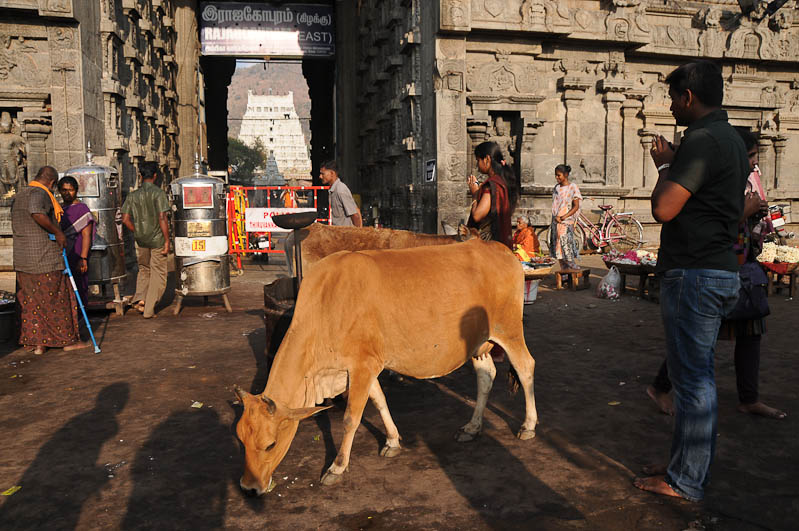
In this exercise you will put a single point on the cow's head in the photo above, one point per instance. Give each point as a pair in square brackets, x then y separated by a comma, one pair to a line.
[266, 430]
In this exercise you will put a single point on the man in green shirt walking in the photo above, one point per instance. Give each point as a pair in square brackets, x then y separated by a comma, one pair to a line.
[144, 214]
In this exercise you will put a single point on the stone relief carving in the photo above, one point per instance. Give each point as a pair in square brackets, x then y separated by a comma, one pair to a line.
[502, 136]
[658, 96]
[453, 13]
[545, 13]
[58, 6]
[626, 3]
[494, 7]
[62, 37]
[502, 76]
[780, 21]
[12, 156]
[587, 174]
[18, 61]
[768, 97]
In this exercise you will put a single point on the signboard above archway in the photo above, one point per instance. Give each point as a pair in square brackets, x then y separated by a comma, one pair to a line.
[266, 30]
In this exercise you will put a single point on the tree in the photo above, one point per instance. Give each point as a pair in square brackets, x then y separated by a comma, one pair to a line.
[245, 160]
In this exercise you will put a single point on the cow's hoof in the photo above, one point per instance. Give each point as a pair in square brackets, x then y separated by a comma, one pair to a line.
[330, 478]
[525, 434]
[463, 436]
[390, 451]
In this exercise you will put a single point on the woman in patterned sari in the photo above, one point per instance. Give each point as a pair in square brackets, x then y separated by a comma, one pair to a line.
[565, 205]
[78, 226]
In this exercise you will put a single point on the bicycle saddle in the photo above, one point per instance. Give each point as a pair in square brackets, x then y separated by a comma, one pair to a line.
[605, 207]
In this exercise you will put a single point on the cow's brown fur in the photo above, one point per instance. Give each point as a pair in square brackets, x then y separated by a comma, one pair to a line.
[421, 312]
[319, 240]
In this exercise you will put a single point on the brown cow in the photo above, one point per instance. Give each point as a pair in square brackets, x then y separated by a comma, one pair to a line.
[319, 240]
[422, 312]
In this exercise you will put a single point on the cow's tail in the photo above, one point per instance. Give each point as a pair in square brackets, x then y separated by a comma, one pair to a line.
[513, 381]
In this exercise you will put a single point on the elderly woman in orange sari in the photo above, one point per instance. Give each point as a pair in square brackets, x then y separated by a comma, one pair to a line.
[525, 237]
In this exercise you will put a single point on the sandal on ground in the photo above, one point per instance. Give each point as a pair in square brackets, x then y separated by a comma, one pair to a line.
[139, 306]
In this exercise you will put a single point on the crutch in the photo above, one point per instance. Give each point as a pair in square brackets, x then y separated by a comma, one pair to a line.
[68, 271]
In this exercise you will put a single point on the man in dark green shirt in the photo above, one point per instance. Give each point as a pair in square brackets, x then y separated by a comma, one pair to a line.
[699, 200]
[144, 214]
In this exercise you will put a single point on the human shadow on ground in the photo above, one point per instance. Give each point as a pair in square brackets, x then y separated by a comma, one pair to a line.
[65, 472]
[181, 474]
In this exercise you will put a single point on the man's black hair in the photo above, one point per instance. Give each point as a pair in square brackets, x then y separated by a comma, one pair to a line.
[68, 180]
[148, 170]
[702, 78]
[749, 138]
[330, 165]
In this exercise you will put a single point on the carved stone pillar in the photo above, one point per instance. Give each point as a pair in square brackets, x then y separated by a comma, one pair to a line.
[477, 129]
[613, 138]
[630, 176]
[766, 167]
[779, 150]
[574, 88]
[530, 125]
[649, 171]
[36, 129]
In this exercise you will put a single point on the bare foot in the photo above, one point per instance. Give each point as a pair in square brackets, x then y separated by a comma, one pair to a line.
[77, 346]
[662, 400]
[657, 469]
[39, 350]
[656, 484]
[759, 408]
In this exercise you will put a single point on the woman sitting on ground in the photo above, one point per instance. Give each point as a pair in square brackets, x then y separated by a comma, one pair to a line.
[525, 237]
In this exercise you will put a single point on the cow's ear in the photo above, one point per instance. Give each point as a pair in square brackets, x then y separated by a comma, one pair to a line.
[270, 405]
[463, 232]
[305, 412]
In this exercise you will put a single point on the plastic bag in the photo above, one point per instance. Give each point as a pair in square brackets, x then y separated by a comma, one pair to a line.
[610, 286]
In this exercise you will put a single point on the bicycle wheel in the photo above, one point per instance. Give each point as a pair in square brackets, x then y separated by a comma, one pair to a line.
[625, 233]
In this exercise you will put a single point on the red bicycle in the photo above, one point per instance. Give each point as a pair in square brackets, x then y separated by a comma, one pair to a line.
[622, 232]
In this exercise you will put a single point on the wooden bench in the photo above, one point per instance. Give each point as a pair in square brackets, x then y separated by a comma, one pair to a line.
[576, 278]
[775, 282]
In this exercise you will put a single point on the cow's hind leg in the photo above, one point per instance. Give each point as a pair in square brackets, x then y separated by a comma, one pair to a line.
[523, 362]
[392, 446]
[485, 370]
[359, 390]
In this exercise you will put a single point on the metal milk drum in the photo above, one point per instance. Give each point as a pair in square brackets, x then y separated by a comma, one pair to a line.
[200, 232]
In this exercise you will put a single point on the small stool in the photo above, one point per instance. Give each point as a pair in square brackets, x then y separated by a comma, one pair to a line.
[577, 278]
[775, 284]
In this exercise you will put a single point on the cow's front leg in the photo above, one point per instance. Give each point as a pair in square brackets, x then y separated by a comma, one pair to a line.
[360, 385]
[392, 446]
[485, 371]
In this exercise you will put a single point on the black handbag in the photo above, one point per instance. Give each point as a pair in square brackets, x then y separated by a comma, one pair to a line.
[753, 295]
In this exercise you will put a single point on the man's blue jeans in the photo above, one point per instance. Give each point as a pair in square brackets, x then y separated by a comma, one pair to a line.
[692, 304]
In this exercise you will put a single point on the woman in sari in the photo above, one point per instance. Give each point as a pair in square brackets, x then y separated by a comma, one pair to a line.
[78, 226]
[565, 205]
[494, 200]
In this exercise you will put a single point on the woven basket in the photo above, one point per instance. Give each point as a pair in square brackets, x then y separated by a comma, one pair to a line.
[537, 273]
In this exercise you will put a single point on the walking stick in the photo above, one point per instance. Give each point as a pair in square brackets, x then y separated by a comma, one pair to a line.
[68, 271]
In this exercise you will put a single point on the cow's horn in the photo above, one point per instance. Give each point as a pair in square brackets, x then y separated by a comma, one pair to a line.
[270, 406]
[240, 393]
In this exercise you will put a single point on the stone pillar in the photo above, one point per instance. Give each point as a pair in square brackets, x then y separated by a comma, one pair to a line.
[766, 167]
[36, 130]
[530, 125]
[477, 129]
[187, 53]
[613, 138]
[779, 150]
[630, 176]
[574, 88]
[648, 171]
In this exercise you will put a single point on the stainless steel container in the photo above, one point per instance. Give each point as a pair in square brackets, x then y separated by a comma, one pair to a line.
[200, 227]
[99, 189]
